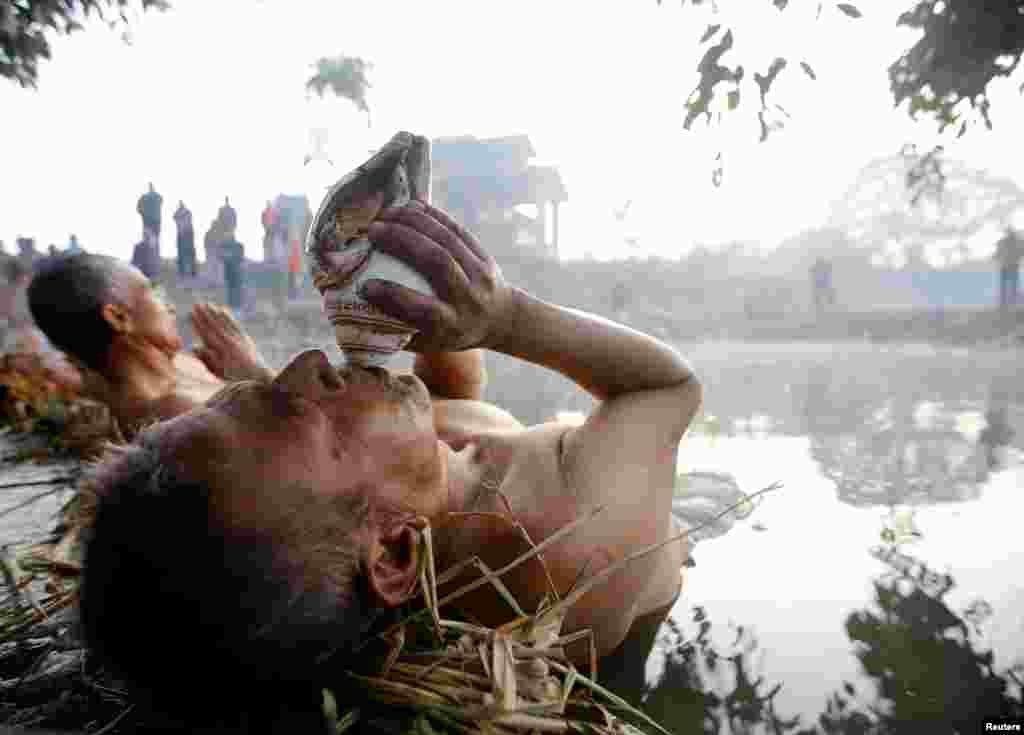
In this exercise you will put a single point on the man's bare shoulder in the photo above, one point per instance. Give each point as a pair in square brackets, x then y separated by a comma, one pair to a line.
[460, 419]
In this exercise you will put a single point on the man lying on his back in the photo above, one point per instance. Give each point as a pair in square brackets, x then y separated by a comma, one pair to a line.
[266, 528]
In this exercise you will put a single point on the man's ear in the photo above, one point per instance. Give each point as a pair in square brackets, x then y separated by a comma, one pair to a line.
[392, 562]
[118, 317]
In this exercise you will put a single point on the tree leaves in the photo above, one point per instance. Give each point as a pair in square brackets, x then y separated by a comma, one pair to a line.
[712, 72]
[344, 76]
[24, 25]
[711, 31]
[850, 10]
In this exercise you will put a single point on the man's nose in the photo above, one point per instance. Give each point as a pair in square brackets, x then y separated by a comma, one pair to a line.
[310, 375]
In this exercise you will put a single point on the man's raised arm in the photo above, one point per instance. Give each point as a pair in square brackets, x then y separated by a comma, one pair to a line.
[605, 358]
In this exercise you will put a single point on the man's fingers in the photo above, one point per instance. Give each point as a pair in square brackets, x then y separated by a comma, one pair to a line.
[465, 235]
[417, 218]
[421, 253]
[425, 313]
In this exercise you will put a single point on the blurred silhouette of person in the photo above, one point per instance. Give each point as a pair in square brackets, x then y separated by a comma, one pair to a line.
[294, 268]
[27, 250]
[267, 218]
[52, 250]
[232, 254]
[150, 208]
[228, 218]
[997, 432]
[1009, 252]
[74, 246]
[186, 242]
[618, 299]
[146, 257]
[211, 245]
[275, 253]
[821, 285]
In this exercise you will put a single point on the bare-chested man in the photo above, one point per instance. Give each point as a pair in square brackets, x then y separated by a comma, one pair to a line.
[108, 317]
[262, 532]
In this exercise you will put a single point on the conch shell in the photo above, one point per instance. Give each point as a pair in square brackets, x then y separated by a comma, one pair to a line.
[342, 258]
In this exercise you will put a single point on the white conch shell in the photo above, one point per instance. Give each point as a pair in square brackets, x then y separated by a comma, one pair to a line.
[342, 259]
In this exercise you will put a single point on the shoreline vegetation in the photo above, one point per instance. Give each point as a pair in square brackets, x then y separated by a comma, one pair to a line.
[669, 300]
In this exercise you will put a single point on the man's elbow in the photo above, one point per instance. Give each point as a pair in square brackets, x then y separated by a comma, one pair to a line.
[690, 398]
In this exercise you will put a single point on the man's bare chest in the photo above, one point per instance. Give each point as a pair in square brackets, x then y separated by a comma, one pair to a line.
[521, 462]
[194, 380]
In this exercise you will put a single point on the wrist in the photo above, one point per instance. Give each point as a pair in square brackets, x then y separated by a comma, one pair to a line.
[452, 374]
[507, 320]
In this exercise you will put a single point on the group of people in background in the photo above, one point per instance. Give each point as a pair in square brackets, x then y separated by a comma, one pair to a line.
[284, 220]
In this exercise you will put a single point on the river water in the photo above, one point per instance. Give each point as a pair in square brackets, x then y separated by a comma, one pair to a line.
[882, 586]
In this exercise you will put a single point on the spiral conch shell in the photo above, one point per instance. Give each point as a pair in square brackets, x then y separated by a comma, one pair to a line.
[342, 258]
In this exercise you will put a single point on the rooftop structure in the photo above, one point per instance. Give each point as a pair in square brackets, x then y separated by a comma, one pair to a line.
[483, 180]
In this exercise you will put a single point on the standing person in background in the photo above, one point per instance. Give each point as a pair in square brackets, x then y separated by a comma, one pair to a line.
[211, 244]
[228, 219]
[1009, 252]
[275, 254]
[821, 285]
[52, 250]
[146, 258]
[27, 253]
[232, 253]
[150, 208]
[267, 220]
[74, 246]
[294, 268]
[280, 263]
[186, 242]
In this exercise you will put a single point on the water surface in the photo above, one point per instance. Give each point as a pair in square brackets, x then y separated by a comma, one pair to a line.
[881, 588]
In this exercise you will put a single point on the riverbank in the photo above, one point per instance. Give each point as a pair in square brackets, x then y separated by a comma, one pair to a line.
[303, 319]
[961, 327]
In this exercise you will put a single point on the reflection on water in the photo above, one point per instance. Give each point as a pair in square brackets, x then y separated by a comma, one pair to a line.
[796, 620]
[922, 664]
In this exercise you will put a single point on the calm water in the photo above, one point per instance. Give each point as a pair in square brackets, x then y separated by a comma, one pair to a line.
[883, 583]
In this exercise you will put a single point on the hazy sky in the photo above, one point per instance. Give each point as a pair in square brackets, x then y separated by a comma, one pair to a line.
[209, 100]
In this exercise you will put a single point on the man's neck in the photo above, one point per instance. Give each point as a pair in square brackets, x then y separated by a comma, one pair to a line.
[139, 374]
[474, 477]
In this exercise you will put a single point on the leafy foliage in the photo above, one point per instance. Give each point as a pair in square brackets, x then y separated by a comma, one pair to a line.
[344, 76]
[720, 78]
[25, 26]
[964, 45]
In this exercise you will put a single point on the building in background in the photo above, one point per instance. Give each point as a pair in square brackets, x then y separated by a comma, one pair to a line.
[484, 181]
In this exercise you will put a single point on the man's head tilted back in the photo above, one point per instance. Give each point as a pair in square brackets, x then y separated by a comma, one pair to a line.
[86, 303]
[260, 534]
